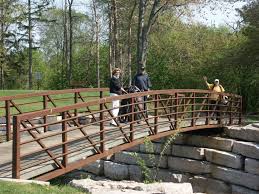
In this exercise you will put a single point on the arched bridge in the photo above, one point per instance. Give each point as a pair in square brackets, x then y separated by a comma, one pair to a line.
[50, 142]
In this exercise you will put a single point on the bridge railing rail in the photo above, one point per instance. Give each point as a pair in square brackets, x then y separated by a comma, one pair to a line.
[77, 142]
[22, 103]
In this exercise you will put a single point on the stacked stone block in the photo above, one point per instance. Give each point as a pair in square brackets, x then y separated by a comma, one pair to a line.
[215, 165]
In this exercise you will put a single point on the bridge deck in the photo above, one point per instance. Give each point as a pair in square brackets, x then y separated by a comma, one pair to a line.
[6, 148]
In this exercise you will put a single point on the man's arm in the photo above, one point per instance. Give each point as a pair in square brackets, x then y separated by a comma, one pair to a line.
[210, 86]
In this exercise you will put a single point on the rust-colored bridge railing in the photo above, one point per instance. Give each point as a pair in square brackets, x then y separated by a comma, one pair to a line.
[79, 140]
[22, 103]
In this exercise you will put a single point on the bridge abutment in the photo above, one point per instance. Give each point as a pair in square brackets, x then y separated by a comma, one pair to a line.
[217, 163]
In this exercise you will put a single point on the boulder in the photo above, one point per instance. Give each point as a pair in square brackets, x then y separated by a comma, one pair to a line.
[130, 187]
[227, 159]
[188, 152]
[189, 165]
[116, 171]
[236, 177]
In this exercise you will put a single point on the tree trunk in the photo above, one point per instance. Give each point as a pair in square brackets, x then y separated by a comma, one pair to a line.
[65, 68]
[70, 3]
[144, 29]
[111, 58]
[115, 33]
[129, 43]
[2, 46]
[30, 44]
[97, 42]
[141, 24]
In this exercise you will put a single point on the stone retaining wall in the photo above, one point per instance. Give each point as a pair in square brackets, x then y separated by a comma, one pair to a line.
[227, 164]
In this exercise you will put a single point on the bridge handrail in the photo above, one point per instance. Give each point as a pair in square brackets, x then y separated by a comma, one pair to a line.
[174, 106]
[108, 99]
[52, 92]
[9, 102]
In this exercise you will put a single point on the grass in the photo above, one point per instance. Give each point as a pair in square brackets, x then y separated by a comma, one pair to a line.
[15, 92]
[14, 188]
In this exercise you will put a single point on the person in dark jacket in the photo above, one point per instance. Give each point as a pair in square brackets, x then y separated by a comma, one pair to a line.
[142, 82]
[115, 90]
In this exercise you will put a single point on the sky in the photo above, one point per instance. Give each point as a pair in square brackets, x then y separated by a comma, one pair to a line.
[218, 14]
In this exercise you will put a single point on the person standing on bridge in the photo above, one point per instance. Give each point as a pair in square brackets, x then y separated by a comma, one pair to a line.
[214, 98]
[142, 82]
[115, 90]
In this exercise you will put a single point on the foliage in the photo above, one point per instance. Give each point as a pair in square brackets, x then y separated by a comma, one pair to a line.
[150, 175]
[179, 53]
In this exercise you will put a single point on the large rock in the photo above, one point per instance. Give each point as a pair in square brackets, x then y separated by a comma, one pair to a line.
[255, 125]
[248, 133]
[167, 176]
[236, 177]
[158, 148]
[188, 152]
[242, 190]
[133, 149]
[95, 168]
[125, 157]
[135, 173]
[130, 187]
[157, 175]
[189, 165]
[224, 158]
[199, 184]
[248, 149]
[116, 171]
[209, 185]
[252, 166]
[149, 159]
[204, 141]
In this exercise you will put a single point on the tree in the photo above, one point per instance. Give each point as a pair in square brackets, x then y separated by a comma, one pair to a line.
[33, 16]
[10, 17]
[70, 20]
[146, 20]
[97, 41]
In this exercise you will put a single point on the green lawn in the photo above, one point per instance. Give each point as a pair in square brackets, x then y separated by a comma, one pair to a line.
[14, 92]
[15, 188]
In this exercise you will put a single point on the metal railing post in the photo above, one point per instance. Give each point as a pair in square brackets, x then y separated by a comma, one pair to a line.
[75, 101]
[176, 110]
[156, 114]
[219, 110]
[193, 109]
[8, 120]
[240, 111]
[132, 119]
[16, 148]
[101, 94]
[208, 110]
[102, 145]
[230, 116]
[45, 106]
[64, 139]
